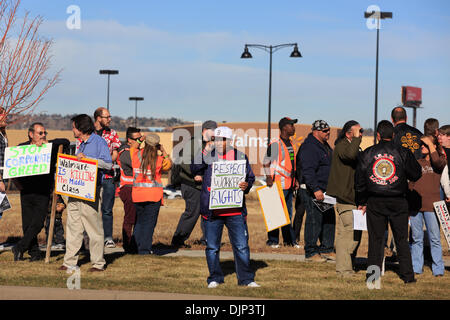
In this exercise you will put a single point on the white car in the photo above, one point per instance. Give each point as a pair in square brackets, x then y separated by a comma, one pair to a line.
[171, 193]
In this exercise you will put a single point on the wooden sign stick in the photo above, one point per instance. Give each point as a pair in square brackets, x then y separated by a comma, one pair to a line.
[52, 221]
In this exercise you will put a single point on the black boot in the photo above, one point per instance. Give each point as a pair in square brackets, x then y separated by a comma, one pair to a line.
[18, 255]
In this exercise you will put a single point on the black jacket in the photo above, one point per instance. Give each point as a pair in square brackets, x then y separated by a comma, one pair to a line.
[383, 170]
[409, 138]
[315, 163]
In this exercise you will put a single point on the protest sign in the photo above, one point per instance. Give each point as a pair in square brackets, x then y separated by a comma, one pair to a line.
[273, 206]
[27, 160]
[444, 218]
[225, 179]
[4, 203]
[76, 178]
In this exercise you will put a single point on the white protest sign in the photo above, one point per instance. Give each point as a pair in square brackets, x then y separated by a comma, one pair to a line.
[27, 160]
[273, 206]
[444, 218]
[76, 179]
[359, 220]
[225, 179]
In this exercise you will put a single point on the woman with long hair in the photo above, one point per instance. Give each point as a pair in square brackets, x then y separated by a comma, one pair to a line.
[147, 192]
[425, 191]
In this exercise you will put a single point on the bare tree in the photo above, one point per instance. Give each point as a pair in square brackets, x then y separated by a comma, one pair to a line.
[24, 62]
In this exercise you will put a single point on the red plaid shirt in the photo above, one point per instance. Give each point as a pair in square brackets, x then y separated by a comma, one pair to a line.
[112, 139]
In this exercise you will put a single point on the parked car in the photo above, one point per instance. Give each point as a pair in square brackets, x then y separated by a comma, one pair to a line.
[170, 192]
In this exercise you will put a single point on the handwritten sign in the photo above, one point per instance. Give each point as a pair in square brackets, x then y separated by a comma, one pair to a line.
[27, 160]
[225, 179]
[76, 179]
[444, 218]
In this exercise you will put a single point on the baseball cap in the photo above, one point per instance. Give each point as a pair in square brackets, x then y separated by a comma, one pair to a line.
[152, 139]
[209, 124]
[223, 132]
[286, 121]
[320, 125]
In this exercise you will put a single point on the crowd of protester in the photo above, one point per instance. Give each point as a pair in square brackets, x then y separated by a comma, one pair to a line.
[394, 182]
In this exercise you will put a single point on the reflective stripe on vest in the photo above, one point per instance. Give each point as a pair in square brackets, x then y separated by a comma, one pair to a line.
[124, 179]
[153, 184]
[282, 167]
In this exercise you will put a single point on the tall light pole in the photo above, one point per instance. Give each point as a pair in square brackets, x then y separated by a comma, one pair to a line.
[109, 73]
[270, 49]
[378, 15]
[135, 99]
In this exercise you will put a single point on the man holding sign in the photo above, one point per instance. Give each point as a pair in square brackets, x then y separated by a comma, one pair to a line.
[227, 176]
[84, 215]
[32, 164]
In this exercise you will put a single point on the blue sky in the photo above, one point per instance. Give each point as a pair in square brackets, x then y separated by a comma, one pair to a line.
[183, 57]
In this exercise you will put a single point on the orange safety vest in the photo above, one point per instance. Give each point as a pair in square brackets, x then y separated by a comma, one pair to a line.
[124, 179]
[144, 188]
[281, 168]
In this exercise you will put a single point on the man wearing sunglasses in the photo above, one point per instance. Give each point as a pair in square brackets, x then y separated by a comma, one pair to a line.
[134, 139]
[102, 121]
[35, 194]
[315, 158]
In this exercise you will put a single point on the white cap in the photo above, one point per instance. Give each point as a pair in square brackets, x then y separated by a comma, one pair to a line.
[223, 132]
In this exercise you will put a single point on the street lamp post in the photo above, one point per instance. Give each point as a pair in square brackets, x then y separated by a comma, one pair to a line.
[135, 99]
[377, 15]
[270, 49]
[109, 73]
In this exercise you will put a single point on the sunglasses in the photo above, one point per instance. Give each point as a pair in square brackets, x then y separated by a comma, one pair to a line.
[42, 133]
[137, 139]
[326, 130]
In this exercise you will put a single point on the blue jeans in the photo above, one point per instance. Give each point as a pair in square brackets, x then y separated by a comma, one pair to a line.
[416, 221]
[146, 218]
[287, 231]
[108, 197]
[238, 234]
[318, 226]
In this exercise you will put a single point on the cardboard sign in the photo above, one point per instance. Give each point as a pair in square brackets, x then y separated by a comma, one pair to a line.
[225, 179]
[27, 160]
[76, 179]
[273, 206]
[444, 218]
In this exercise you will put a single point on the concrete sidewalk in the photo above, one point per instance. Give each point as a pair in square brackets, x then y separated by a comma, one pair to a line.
[42, 293]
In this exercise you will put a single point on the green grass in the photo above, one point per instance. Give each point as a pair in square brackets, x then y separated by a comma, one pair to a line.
[278, 279]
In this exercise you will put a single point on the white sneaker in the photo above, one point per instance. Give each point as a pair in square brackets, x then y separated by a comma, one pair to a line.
[110, 244]
[253, 285]
[213, 284]
[275, 246]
